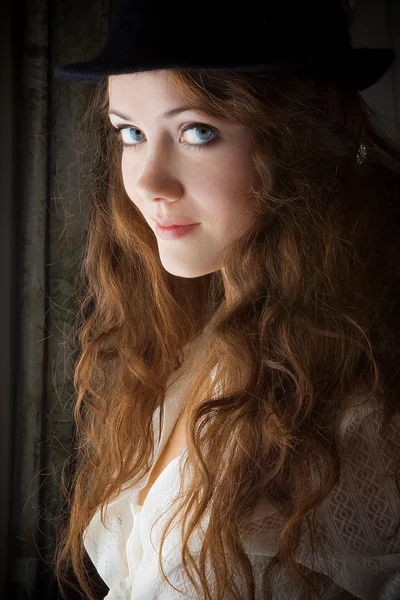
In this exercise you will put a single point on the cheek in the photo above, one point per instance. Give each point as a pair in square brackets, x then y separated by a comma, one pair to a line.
[235, 171]
[232, 183]
[236, 209]
[128, 178]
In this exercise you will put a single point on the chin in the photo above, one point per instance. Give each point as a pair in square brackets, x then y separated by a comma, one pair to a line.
[188, 273]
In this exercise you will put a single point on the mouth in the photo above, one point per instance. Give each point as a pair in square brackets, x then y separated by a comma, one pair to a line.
[166, 223]
[175, 232]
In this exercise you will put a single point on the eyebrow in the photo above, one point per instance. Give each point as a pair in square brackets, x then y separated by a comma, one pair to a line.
[167, 115]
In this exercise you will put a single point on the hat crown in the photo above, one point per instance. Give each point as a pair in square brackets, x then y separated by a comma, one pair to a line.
[280, 27]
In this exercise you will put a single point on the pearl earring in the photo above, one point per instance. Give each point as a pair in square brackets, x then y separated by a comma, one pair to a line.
[361, 154]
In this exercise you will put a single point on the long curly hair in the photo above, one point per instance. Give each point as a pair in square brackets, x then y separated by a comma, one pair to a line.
[311, 323]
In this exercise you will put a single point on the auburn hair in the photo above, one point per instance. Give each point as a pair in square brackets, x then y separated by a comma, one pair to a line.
[312, 323]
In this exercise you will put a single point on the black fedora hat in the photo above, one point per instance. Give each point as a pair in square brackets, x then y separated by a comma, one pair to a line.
[308, 37]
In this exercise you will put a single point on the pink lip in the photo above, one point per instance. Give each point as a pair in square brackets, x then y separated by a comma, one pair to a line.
[173, 233]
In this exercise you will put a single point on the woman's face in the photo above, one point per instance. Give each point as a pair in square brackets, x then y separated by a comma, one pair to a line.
[206, 181]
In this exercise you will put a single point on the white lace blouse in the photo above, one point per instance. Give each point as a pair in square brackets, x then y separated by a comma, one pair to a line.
[353, 521]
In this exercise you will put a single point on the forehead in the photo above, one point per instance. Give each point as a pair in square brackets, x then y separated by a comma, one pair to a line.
[149, 86]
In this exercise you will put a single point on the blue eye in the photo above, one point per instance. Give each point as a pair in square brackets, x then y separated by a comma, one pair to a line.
[130, 137]
[202, 133]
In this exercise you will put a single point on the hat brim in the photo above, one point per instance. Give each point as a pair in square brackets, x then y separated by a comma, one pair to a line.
[360, 68]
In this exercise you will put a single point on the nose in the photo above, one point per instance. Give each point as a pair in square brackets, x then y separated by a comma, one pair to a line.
[159, 177]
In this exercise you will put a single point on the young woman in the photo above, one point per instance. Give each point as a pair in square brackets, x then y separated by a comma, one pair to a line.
[238, 386]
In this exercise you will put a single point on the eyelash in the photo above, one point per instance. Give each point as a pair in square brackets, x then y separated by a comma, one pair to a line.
[117, 132]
